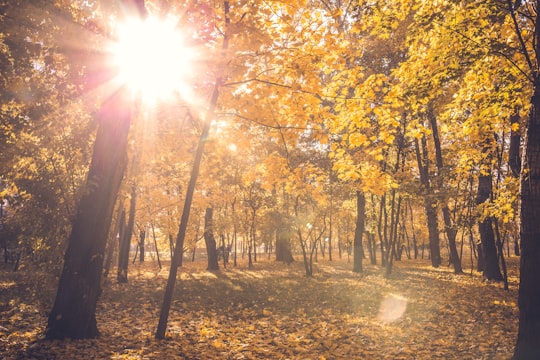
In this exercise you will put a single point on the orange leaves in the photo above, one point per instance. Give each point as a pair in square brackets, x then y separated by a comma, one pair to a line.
[273, 311]
[357, 140]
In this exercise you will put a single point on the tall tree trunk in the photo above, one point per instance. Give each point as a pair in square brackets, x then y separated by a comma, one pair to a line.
[176, 256]
[528, 341]
[142, 245]
[359, 231]
[111, 245]
[394, 235]
[125, 240]
[330, 234]
[430, 204]
[171, 280]
[514, 151]
[235, 231]
[514, 161]
[156, 246]
[252, 246]
[415, 243]
[379, 229]
[372, 248]
[449, 227]
[304, 247]
[74, 311]
[210, 240]
[485, 228]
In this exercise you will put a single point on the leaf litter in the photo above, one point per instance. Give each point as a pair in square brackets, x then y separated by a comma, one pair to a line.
[274, 311]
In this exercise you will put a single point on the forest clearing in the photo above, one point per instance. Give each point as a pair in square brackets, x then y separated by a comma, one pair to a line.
[372, 132]
[275, 312]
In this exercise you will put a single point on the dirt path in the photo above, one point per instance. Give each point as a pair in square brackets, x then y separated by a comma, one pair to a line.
[275, 312]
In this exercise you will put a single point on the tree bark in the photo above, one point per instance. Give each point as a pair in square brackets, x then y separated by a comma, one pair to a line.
[393, 236]
[111, 245]
[74, 309]
[176, 256]
[125, 241]
[359, 231]
[142, 245]
[430, 204]
[485, 229]
[384, 251]
[210, 240]
[450, 229]
[514, 151]
[528, 341]
[283, 244]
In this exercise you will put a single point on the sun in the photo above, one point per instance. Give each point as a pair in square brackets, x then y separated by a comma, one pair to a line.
[151, 58]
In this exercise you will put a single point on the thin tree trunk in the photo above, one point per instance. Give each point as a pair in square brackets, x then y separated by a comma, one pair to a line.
[393, 238]
[171, 246]
[142, 245]
[330, 234]
[500, 246]
[379, 230]
[111, 247]
[156, 246]
[210, 240]
[430, 204]
[123, 256]
[359, 231]
[171, 281]
[514, 151]
[235, 232]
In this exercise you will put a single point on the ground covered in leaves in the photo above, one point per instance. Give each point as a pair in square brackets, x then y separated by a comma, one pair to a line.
[274, 312]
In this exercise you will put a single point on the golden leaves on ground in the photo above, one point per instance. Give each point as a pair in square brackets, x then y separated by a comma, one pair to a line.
[275, 312]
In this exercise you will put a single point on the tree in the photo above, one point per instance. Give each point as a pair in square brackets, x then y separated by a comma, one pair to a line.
[528, 340]
[199, 151]
[359, 231]
[451, 230]
[283, 238]
[73, 312]
[490, 261]
[45, 133]
[125, 239]
[210, 240]
[430, 204]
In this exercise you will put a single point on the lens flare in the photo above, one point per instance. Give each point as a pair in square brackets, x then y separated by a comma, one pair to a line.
[392, 308]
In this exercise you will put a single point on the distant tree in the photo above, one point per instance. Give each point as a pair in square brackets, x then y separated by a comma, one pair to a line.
[125, 239]
[210, 240]
[429, 201]
[358, 249]
[450, 228]
[283, 239]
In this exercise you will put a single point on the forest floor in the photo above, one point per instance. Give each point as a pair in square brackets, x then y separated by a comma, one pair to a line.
[274, 311]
